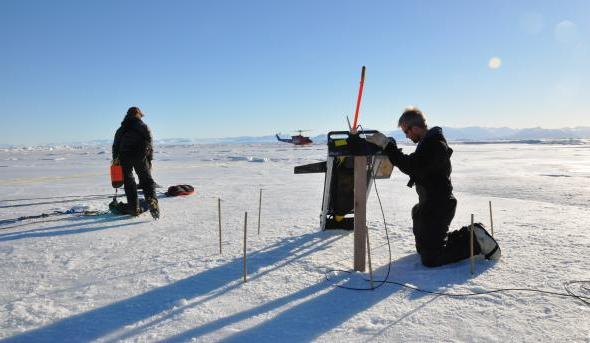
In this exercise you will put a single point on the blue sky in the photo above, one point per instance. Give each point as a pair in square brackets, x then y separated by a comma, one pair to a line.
[202, 69]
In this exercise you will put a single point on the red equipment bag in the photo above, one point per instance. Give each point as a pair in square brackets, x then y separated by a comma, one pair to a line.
[117, 175]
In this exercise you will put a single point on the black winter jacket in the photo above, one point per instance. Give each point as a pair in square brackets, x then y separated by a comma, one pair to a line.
[133, 140]
[429, 166]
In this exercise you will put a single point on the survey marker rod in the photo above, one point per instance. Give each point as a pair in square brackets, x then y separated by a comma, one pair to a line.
[471, 241]
[491, 219]
[245, 272]
[219, 213]
[259, 209]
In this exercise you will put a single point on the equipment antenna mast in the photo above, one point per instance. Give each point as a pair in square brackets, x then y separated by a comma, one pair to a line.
[358, 101]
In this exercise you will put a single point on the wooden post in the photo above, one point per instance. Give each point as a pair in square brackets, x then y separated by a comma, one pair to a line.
[360, 212]
[370, 265]
[491, 219]
[259, 209]
[219, 212]
[245, 234]
[471, 247]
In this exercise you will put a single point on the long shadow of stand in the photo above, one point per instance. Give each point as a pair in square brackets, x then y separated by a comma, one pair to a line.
[68, 229]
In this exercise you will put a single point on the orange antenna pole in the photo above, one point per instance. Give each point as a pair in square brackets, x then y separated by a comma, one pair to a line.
[358, 100]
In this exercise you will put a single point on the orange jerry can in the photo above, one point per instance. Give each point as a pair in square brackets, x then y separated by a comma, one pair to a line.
[116, 175]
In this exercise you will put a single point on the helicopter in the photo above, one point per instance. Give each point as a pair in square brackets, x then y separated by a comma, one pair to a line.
[298, 139]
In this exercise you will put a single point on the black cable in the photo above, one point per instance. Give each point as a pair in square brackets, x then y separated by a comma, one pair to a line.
[570, 293]
[59, 197]
[67, 212]
[51, 214]
[65, 197]
[53, 202]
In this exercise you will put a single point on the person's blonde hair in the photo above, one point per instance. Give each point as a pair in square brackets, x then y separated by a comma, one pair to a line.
[411, 117]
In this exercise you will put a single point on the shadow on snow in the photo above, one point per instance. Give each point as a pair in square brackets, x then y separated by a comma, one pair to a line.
[323, 306]
[61, 230]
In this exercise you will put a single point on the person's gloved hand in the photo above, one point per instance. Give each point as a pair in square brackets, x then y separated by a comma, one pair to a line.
[115, 162]
[378, 139]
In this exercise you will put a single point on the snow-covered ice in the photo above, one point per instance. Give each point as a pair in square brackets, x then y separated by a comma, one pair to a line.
[106, 278]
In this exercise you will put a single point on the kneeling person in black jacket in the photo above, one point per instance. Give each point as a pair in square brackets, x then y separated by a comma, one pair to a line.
[429, 168]
[133, 148]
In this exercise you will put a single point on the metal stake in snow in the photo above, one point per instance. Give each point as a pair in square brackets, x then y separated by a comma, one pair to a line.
[358, 101]
[471, 247]
[491, 219]
[245, 231]
[259, 209]
[219, 212]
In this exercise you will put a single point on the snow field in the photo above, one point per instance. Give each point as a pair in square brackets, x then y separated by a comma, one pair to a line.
[134, 279]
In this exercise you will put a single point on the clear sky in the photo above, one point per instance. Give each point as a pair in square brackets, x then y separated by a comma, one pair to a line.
[200, 69]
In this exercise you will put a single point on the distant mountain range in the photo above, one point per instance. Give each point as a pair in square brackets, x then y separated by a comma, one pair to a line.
[467, 134]
[505, 133]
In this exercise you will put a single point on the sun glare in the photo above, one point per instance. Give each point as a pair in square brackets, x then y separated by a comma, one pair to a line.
[494, 63]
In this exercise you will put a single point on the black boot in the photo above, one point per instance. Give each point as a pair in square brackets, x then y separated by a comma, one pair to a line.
[154, 207]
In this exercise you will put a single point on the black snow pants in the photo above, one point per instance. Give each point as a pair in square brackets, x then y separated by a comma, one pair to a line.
[143, 169]
[437, 246]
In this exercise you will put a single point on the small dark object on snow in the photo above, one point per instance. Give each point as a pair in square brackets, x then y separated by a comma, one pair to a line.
[180, 190]
[121, 208]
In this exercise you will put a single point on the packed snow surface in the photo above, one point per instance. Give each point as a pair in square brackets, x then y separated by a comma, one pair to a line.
[76, 278]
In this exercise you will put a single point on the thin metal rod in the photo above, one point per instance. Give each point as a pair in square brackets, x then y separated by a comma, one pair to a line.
[219, 212]
[491, 219]
[245, 234]
[472, 263]
[259, 209]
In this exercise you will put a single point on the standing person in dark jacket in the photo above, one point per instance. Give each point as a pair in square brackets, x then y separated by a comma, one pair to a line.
[132, 147]
[429, 168]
